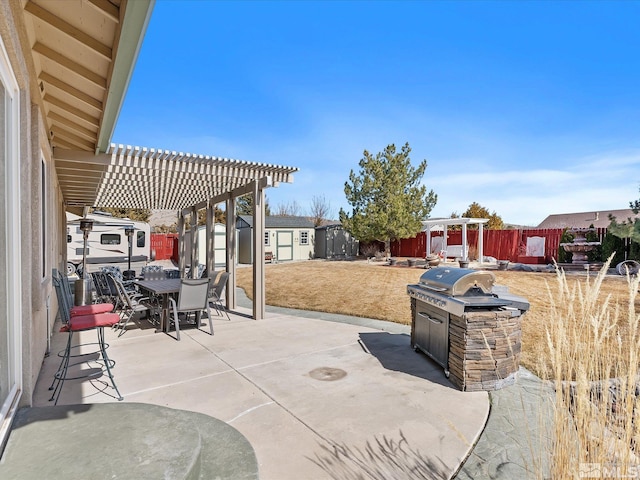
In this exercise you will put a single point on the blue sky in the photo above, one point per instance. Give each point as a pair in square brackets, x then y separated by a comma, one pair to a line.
[528, 108]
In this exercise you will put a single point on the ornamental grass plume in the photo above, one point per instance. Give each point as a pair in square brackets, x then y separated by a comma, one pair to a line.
[593, 343]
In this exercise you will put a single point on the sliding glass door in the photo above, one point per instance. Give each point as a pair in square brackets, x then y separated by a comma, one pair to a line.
[10, 254]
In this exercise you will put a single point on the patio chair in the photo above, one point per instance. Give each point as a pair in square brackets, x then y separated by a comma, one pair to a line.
[103, 292]
[168, 274]
[117, 273]
[152, 272]
[78, 310]
[202, 269]
[192, 298]
[79, 323]
[199, 271]
[215, 294]
[130, 306]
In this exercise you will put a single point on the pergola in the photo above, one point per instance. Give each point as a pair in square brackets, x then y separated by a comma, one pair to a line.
[135, 177]
[444, 223]
[82, 58]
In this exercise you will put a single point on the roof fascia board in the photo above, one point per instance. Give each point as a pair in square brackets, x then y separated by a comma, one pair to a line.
[134, 26]
[79, 156]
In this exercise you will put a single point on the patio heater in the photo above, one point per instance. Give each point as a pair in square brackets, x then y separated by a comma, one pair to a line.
[129, 274]
[83, 285]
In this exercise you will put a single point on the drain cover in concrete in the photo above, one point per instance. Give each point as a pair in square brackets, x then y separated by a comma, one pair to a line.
[327, 374]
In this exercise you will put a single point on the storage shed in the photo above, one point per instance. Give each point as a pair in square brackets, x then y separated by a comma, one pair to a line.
[286, 238]
[219, 244]
[333, 241]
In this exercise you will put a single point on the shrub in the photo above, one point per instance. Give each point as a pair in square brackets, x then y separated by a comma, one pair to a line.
[369, 250]
[594, 255]
[612, 245]
[563, 255]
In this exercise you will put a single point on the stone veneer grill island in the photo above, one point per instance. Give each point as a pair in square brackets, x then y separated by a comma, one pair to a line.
[472, 332]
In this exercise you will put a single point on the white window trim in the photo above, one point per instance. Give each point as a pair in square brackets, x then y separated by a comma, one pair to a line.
[307, 237]
[44, 205]
[267, 238]
[13, 276]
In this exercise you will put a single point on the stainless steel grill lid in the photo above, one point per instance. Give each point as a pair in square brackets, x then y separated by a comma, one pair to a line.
[458, 281]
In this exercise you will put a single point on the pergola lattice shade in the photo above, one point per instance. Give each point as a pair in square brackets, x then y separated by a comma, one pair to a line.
[135, 177]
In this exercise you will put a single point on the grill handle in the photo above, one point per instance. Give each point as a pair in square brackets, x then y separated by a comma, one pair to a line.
[433, 287]
[431, 319]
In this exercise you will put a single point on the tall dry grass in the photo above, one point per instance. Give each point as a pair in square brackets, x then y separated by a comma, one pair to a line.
[593, 342]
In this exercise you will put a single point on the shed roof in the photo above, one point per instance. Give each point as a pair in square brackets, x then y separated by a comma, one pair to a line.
[277, 221]
[330, 226]
[599, 219]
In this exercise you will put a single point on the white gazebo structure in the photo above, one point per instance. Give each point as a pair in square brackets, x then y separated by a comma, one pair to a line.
[442, 224]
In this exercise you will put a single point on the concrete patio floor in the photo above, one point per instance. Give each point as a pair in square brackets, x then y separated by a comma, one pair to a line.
[310, 396]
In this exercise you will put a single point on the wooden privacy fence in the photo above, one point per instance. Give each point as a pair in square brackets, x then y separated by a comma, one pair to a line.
[501, 244]
[165, 246]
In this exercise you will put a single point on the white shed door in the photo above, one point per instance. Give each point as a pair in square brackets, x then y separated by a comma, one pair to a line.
[284, 245]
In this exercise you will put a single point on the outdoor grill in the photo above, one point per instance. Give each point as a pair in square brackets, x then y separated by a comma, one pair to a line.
[467, 325]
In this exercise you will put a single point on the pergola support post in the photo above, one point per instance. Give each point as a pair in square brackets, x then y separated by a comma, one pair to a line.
[258, 252]
[231, 253]
[480, 243]
[194, 243]
[210, 239]
[465, 248]
[181, 245]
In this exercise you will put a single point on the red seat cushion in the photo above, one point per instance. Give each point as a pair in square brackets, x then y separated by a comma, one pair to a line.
[87, 322]
[91, 309]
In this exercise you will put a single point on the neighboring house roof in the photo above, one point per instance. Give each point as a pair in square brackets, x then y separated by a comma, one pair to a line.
[280, 222]
[598, 219]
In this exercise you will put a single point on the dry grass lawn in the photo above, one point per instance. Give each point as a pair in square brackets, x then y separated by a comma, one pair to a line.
[374, 290]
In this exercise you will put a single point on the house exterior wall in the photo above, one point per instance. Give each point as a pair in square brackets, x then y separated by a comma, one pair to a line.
[40, 220]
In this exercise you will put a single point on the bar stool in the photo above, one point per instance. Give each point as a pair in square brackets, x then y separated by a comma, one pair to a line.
[79, 323]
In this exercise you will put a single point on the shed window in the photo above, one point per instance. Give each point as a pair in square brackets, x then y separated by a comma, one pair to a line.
[266, 237]
[304, 238]
[110, 239]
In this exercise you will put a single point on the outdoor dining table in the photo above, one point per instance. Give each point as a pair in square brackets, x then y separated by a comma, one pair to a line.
[165, 288]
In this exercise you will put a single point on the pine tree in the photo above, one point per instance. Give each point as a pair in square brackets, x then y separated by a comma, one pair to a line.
[387, 199]
[244, 205]
[476, 210]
